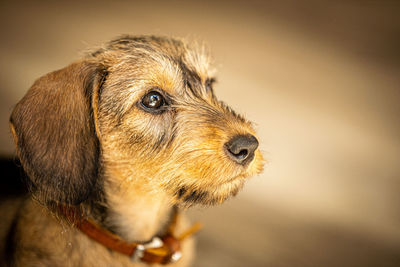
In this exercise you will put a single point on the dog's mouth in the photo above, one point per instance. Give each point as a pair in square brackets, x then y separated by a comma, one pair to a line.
[209, 195]
[241, 177]
[215, 189]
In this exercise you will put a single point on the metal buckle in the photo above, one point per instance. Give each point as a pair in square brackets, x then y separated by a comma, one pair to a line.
[175, 257]
[156, 242]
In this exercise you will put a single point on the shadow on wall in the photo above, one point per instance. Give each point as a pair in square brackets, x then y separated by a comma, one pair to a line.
[262, 235]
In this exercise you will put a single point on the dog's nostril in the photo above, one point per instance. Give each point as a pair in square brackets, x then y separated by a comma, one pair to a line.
[242, 154]
[241, 148]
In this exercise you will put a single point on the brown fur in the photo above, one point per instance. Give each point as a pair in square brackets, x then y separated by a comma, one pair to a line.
[84, 139]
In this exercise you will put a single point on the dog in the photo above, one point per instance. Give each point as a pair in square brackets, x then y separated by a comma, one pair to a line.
[115, 146]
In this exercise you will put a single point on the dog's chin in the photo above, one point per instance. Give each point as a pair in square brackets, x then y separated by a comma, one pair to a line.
[209, 195]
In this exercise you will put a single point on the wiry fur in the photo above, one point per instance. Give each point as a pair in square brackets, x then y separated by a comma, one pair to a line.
[84, 139]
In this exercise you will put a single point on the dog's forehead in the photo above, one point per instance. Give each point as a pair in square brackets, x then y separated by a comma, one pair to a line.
[160, 62]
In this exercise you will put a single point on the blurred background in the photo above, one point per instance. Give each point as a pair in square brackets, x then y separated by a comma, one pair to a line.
[321, 81]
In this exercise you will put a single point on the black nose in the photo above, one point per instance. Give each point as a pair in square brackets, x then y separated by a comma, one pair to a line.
[241, 148]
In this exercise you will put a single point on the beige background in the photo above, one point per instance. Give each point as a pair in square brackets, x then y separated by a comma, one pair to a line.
[321, 81]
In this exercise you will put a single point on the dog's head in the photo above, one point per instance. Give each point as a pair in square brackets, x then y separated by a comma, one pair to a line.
[138, 110]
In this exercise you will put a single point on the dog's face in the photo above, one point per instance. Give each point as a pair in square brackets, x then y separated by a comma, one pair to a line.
[152, 118]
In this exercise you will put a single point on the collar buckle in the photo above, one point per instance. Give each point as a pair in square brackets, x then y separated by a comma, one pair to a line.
[138, 254]
[162, 251]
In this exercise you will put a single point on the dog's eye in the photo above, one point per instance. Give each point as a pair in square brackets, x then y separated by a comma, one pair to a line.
[153, 101]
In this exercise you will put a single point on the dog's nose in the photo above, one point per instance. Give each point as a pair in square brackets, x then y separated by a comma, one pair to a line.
[241, 148]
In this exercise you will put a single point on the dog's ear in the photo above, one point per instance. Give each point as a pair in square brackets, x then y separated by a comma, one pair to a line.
[54, 131]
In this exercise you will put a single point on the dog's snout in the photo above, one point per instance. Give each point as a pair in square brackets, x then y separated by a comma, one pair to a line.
[241, 148]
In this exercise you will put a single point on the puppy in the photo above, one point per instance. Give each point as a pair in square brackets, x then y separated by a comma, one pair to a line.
[115, 145]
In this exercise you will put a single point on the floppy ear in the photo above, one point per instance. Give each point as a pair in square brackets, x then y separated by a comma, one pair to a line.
[54, 131]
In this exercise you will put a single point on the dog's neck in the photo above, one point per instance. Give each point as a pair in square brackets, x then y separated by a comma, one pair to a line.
[136, 212]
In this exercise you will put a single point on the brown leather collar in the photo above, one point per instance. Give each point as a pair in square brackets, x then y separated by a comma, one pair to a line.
[164, 250]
